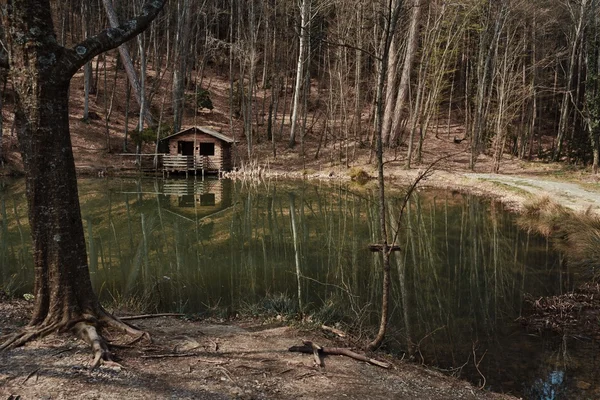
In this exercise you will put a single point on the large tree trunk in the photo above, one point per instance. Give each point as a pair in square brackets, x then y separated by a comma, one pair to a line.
[41, 71]
[62, 284]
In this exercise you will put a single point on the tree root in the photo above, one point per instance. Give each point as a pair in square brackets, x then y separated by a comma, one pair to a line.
[99, 347]
[115, 323]
[88, 332]
[28, 334]
[86, 328]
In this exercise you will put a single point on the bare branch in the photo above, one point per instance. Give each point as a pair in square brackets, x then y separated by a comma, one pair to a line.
[112, 37]
[349, 46]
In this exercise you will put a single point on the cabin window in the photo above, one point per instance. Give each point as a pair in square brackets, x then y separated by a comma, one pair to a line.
[207, 149]
[185, 148]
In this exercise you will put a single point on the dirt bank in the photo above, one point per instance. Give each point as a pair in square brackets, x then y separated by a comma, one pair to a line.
[514, 191]
[211, 360]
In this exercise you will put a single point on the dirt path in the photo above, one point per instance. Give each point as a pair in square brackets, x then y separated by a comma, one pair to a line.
[571, 195]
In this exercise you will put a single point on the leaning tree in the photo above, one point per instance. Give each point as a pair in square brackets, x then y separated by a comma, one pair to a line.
[41, 71]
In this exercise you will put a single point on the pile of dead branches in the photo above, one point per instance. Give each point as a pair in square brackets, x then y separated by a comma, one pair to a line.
[574, 313]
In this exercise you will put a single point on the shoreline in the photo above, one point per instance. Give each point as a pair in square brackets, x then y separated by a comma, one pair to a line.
[513, 191]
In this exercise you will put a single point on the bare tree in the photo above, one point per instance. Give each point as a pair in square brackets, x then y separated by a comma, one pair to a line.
[302, 60]
[181, 55]
[392, 13]
[412, 42]
[579, 18]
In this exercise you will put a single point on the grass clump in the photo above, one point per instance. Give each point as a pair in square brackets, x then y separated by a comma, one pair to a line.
[359, 175]
[273, 305]
[577, 235]
[331, 312]
[280, 304]
[11, 288]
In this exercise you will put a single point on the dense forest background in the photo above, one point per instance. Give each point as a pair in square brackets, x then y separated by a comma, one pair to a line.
[517, 77]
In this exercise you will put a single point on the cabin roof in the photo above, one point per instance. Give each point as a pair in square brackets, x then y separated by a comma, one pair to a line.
[202, 129]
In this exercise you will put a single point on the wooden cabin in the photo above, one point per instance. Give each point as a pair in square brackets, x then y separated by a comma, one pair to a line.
[196, 149]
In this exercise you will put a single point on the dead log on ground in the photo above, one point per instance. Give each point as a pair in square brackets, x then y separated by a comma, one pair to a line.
[319, 351]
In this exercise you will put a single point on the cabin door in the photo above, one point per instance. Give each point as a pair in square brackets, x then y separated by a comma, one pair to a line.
[185, 148]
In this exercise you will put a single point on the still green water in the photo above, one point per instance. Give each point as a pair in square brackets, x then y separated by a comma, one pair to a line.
[218, 248]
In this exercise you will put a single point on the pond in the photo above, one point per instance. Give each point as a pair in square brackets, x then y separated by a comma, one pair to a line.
[220, 248]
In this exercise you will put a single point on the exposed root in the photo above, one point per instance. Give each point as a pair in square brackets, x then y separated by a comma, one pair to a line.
[88, 332]
[87, 329]
[29, 333]
[137, 339]
[114, 322]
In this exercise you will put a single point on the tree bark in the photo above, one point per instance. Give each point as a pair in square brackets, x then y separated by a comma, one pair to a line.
[390, 91]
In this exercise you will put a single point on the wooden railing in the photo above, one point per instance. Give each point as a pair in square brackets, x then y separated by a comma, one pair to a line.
[178, 162]
[188, 163]
[207, 164]
[171, 162]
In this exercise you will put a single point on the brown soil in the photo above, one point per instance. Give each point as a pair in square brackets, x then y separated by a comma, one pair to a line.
[210, 360]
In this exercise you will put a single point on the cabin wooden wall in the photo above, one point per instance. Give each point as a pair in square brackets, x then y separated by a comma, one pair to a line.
[222, 156]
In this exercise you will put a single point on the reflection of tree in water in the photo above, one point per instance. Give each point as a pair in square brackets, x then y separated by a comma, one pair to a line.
[16, 264]
[460, 276]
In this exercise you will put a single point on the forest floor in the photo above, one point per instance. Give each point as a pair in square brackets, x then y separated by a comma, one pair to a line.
[246, 359]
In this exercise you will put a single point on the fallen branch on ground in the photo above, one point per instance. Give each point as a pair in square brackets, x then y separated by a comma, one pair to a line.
[336, 331]
[145, 316]
[310, 348]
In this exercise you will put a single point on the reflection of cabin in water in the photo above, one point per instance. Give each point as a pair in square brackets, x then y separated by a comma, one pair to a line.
[195, 198]
[197, 202]
[196, 149]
